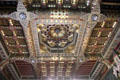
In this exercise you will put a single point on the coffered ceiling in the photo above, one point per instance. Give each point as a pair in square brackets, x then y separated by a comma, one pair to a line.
[56, 39]
[13, 37]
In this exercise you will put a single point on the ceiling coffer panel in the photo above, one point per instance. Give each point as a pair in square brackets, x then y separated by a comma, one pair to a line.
[99, 38]
[70, 4]
[24, 69]
[55, 68]
[85, 68]
[13, 38]
[57, 38]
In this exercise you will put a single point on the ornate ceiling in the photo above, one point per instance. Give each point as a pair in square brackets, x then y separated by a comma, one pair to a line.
[57, 39]
[13, 37]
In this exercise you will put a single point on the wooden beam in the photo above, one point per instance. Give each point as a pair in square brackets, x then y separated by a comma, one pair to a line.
[111, 3]
[4, 63]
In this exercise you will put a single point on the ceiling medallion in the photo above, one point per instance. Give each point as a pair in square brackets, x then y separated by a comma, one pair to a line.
[22, 16]
[57, 37]
[57, 32]
[94, 17]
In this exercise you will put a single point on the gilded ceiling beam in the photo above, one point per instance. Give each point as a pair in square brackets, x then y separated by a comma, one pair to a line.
[4, 63]
[13, 71]
[112, 42]
[111, 3]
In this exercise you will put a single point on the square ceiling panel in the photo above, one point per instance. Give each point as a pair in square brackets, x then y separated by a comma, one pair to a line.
[92, 41]
[16, 23]
[24, 49]
[11, 41]
[22, 41]
[109, 24]
[19, 32]
[94, 33]
[57, 38]
[13, 49]
[85, 68]
[7, 32]
[97, 50]
[98, 25]
[4, 22]
[89, 50]
[101, 42]
[105, 33]
[25, 69]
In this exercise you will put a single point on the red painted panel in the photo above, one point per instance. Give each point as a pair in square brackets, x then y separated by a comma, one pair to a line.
[85, 68]
[24, 68]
